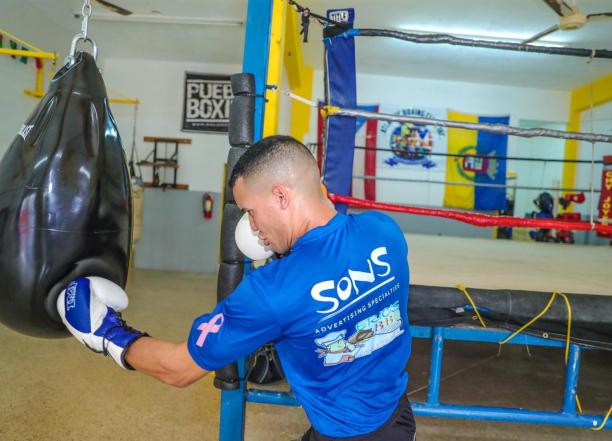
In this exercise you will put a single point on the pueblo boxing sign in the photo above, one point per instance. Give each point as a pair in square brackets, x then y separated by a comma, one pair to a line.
[206, 106]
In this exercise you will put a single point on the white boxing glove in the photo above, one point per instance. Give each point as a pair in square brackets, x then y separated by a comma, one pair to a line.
[89, 309]
[248, 243]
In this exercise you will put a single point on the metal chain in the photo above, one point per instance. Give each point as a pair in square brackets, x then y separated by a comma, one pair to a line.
[83, 35]
[86, 13]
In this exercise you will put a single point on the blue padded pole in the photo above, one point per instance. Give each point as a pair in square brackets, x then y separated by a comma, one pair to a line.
[435, 369]
[233, 408]
[571, 380]
[255, 61]
[255, 58]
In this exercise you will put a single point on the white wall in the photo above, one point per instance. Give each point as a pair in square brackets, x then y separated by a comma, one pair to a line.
[482, 99]
[31, 26]
[537, 174]
[547, 106]
[159, 87]
[600, 121]
[545, 174]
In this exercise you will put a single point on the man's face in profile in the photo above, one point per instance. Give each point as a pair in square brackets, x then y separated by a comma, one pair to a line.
[266, 213]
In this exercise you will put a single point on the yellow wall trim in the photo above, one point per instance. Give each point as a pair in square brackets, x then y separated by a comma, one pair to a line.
[592, 94]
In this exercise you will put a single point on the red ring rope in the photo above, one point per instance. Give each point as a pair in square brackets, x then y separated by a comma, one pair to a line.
[480, 220]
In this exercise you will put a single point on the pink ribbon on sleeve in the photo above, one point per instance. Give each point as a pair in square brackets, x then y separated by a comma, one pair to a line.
[213, 326]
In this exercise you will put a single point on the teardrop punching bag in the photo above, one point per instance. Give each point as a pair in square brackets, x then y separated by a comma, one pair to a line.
[65, 207]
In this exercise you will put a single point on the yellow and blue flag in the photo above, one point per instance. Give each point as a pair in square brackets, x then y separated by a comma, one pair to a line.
[477, 162]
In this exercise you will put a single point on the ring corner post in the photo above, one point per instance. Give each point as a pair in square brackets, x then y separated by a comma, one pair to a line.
[341, 85]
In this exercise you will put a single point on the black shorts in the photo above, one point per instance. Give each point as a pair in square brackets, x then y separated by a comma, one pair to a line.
[399, 427]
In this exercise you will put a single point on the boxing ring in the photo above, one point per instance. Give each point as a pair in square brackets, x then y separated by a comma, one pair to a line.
[486, 301]
[435, 274]
[577, 269]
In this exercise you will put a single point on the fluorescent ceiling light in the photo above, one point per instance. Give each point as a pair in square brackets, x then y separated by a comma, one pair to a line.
[164, 19]
[512, 37]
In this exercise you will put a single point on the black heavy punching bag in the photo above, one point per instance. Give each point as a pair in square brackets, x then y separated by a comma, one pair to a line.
[65, 207]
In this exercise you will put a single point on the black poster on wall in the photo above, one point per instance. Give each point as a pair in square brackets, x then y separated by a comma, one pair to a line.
[206, 104]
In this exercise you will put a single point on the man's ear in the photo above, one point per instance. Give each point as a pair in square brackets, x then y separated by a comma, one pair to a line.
[281, 194]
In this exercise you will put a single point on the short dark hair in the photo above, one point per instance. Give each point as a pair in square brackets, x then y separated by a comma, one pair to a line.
[265, 152]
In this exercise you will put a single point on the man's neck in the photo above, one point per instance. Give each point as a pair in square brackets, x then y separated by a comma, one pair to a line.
[321, 215]
[317, 215]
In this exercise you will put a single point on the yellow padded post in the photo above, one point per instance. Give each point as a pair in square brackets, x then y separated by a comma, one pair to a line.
[275, 65]
[300, 112]
[293, 58]
[300, 77]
